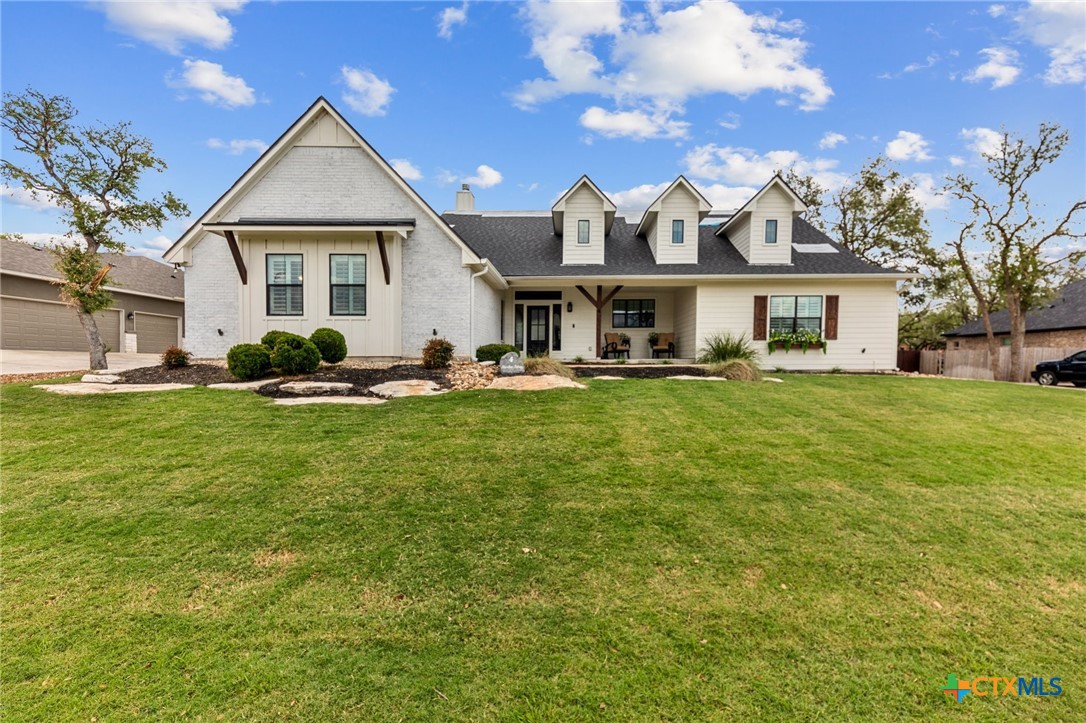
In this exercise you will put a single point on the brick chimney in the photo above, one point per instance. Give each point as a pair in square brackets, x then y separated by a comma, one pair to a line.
[465, 199]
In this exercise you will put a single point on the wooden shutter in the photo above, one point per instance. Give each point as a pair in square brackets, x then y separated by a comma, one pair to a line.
[832, 302]
[761, 322]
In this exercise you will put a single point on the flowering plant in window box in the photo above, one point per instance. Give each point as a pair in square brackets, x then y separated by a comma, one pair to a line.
[803, 338]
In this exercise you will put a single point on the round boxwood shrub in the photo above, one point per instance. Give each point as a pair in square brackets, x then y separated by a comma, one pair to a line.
[269, 340]
[175, 357]
[331, 344]
[295, 355]
[437, 353]
[494, 352]
[248, 361]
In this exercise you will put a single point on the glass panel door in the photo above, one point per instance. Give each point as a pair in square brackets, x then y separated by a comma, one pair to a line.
[538, 330]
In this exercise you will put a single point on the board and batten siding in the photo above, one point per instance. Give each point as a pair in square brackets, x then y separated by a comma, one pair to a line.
[867, 320]
[739, 235]
[583, 204]
[776, 204]
[375, 334]
[679, 204]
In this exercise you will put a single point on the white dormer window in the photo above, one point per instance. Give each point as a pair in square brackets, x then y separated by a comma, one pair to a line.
[677, 231]
[583, 231]
[771, 231]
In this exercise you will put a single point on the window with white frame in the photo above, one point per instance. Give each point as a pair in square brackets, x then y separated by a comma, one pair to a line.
[347, 284]
[677, 231]
[771, 231]
[284, 281]
[795, 313]
[583, 229]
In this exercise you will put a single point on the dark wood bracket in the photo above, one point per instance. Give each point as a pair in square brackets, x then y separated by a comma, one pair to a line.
[232, 242]
[599, 301]
[384, 257]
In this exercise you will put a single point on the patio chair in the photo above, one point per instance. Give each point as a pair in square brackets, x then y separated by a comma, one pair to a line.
[614, 347]
[665, 344]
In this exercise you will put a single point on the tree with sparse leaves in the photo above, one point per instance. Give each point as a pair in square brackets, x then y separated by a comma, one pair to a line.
[1009, 256]
[876, 216]
[92, 174]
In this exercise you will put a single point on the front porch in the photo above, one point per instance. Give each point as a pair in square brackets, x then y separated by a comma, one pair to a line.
[571, 322]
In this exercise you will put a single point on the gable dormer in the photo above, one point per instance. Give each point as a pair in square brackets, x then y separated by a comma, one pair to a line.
[762, 228]
[583, 217]
[670, 224]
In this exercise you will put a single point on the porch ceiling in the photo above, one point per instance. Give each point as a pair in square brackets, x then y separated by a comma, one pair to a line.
[398, 226]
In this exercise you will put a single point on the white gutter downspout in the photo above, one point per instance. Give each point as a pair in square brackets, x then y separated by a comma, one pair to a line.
[471, 307]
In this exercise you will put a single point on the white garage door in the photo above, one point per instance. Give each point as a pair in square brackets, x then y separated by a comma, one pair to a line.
[26, 324]
[155, 333]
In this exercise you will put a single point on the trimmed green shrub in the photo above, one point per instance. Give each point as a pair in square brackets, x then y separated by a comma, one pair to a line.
[725, 347]
[175, 357]
[248, 361]
[437, 353]
[269, 340]
[493, 352]
[330, 343]
[295, 355]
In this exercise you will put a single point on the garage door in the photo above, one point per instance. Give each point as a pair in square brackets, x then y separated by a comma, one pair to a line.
[155, 333]
[28, 324]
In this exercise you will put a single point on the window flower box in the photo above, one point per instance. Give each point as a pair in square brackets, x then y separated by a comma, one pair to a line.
[803, 340]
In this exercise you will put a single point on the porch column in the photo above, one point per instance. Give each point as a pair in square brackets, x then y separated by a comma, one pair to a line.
[599, 301]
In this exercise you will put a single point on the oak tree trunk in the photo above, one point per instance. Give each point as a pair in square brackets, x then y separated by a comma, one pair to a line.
[94, 340]
[1018, 337]
[993, 345]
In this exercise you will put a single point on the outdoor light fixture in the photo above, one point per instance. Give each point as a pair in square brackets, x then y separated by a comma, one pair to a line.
[130, 316]
[220, 332]
[435, 332]
[569, 307]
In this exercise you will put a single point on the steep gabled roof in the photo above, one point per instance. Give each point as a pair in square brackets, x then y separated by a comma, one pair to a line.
[704, 207]
[131, 274]
[559, 208]
[277, 149]
[1067, 311]
[777, 180]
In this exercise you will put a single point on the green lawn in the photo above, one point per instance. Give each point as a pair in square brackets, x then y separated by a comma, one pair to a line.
[828, 548]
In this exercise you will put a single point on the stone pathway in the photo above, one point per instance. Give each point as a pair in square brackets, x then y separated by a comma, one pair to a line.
[243, 386]
[315, 387]
[608, 378]
[298, 401]
[82, 388]
[524, 383]
[687, 377]
[407, 388]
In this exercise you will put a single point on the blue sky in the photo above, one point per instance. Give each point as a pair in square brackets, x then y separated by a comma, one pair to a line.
[520, 99]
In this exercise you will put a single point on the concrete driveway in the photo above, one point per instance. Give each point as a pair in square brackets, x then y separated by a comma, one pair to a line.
[14, 361]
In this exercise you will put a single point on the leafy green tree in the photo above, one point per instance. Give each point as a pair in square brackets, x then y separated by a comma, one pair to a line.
[92, 174]
[1008, 255]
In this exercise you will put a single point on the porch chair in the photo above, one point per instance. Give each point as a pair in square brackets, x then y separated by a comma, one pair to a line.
[614, 346]
[665, 344]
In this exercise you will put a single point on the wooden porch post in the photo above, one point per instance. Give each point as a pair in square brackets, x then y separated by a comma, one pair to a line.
[599, 302]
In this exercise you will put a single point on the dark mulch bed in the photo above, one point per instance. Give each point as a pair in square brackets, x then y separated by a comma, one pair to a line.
[201, 374]
[633, 371]
[362, 379]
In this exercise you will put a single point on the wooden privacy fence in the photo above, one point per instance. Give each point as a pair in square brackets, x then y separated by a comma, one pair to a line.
[973, 363]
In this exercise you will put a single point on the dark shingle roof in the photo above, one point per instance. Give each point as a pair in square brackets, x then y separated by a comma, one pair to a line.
[527, 246]
[132, 273]
[1066, 312]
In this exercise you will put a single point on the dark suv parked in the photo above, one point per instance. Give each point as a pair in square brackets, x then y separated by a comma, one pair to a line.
[1072, 369]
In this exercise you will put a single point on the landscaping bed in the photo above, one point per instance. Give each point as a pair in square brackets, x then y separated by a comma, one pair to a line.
[199, 374]
[637, 371]
[361, 379]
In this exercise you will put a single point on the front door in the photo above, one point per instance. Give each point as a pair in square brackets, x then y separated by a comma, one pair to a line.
[538, 331]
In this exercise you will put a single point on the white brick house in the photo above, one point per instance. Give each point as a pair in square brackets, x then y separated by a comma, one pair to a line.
[321, 231]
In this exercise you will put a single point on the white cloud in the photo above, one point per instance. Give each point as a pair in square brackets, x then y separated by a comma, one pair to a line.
[237, 146]
[366, 93]
[450, 18]
[171, 25]
[19, 196]
[929, 62]
[731, 121]
[407, 169]
[997, 10]
[444, 176]
[214, 85]
[662, 57]
[152, 248]
[832, 140]
[746, 167]
[40, 239]
[908, 146]
[485, 177]
[983, 141]
[1059, 28]
[1001, 67]
[956, 161]
[719, 195]
[928, 192]
[636, 124]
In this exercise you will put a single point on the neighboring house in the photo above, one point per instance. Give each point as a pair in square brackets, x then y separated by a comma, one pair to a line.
[147, 313]
[321, 231]
[1060, 323]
